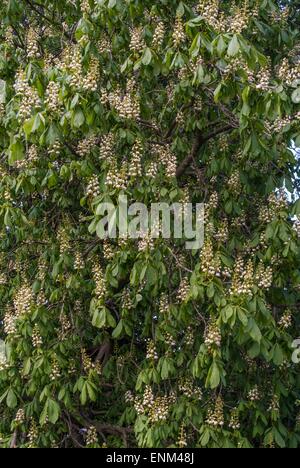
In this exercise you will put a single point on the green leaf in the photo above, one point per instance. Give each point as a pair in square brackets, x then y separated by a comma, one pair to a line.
[296, 96]
[217, 92]
[221, 47]
[2, 91]
[27, 366]
[147, 56]
[234, 46]
[99, 318]
[211, 291]
[11, 399]
[110, 320]
[296, 208]
[214, 377]
[83, 395]
[78, 118]
[227, 313]
[2, 398]
[92, 393]
[44, 414]
[16, 152]
[278, 438]
[112, 4]
[205, 438]
[254, 331]
[278, 357]
[242, 317]
[53, 411]
[180, 10]
[118, 331]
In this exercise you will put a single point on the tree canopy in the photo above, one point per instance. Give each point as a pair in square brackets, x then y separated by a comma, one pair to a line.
[142, 343]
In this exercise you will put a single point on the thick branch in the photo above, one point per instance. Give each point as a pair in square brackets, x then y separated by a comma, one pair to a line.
[14, 440]
[199, 142]
[189, 159]
[103, 428]
[38, 9]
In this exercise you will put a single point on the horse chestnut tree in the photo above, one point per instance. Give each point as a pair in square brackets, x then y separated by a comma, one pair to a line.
[141, 342]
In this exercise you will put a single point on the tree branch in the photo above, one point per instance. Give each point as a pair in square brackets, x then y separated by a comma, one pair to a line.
[189, 159]
[14, 440]
[200, 140]
[103, 428]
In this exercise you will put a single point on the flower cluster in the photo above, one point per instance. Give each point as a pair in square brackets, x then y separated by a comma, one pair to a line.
[167, 159]
[240, 20]
[30, 99]
[135, 166]
[146, 243]
[264, 276]
[127, 105]
[33, 434]
[213, 337]
[189, 390]
[73, 60]
[88, 365]
[137, 42]
[55, 149]
[243, 278]
[108, 250]
[288, 74]
[90, 81]
[126, 301]
[210, 264]
[93, 187]
[107, 147]
[280, 15]
[85, 146]
[148, 397]
[85, 6]
[100, 286]
[151, 351]
[79, 261]
[104, 45]
[254, 394]
[189, 336]
[223, 232]
[55, 371]
[20, 417]
[286, 320]
[275, 404]
[158, 35]
[52, 100]
[215, 417]
[234, 183]
[263, 79]
[209, 9]
[234, 422]
[117, 179]
[91, 437]
[160, 410]
[37, 340]
[23, 300]
[9, 321]
[296, 227]
[32, 44]
[182, 441]
[178, 35]
[63, 240]
[183, 290]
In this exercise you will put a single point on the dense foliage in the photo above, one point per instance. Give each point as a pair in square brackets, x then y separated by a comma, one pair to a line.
[144, 343]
